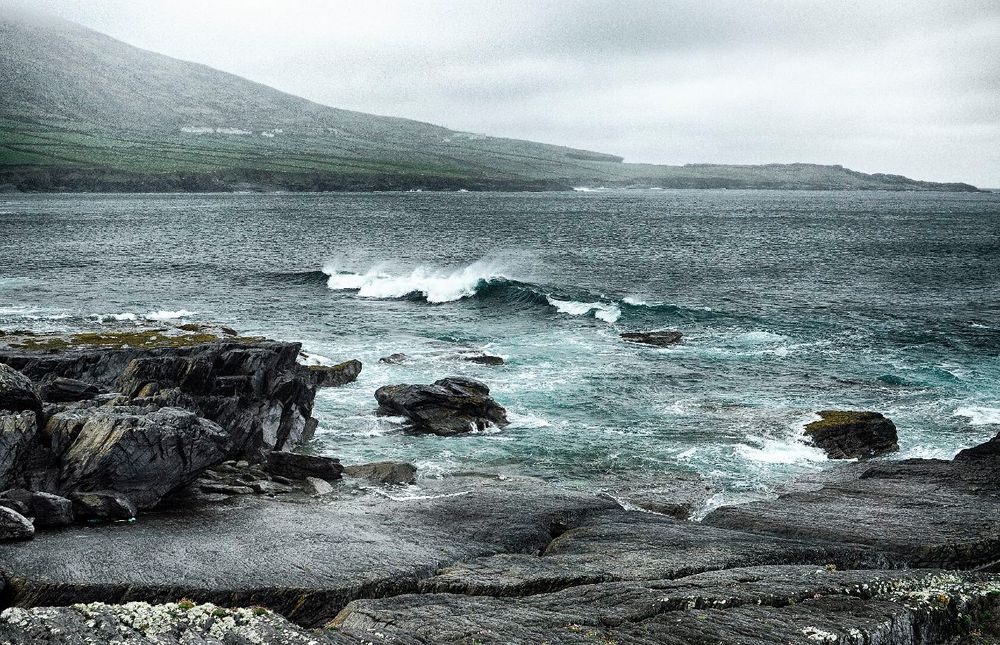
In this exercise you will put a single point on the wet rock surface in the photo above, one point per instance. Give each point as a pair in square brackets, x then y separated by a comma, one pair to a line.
[450, 406]
[654, 338]
[844, 434]
[335, 375]
[384, 472]
[298, 466]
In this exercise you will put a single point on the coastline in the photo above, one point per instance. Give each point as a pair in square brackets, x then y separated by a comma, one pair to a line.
[884, 549]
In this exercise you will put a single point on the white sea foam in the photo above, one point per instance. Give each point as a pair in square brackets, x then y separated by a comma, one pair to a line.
[608, 312]
[776, 451]
[434, 284]
[979, 415]
[527, 421]
[169, 315]
[115, 317]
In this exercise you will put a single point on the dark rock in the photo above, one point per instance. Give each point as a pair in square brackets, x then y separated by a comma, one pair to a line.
[484, 359]
[767, 605]
[984, 451]
[103, 506]
[65, 390]
[16, 505]
[225, 489]
[853, 435]
[14, 526]
[48, 510]
[265, 487]
[335, 375]
[142, 455]
[655, 338]
[450, 406]
[18, 438]
[298, 466]
[394, 359]
[17, 392]
[305, 559]
[923, 512]
[384, 472]
[254, 389]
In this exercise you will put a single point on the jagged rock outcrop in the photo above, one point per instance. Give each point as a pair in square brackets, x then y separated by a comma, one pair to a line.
[143, 455]
[845, 434]
[335, 375]
[253, 388]
[17, 438]
[483, 359]
[450, 406]
[655, 338]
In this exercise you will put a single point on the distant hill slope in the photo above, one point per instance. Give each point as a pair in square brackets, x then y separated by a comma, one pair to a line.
[82, 111]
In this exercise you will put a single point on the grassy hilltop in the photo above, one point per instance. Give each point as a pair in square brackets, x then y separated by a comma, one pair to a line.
[83, 111]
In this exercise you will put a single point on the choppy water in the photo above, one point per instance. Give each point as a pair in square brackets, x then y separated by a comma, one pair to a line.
[789, 301]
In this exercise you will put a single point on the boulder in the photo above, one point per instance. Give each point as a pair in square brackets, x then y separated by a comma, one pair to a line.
[66, 390]
[483, 359]
[46, 510]
[298, 466]
[384, 472]
[16, 505]
[17, 392]
[846, 434]
[14, 526]
[317, 486]
[335, 375]
[655, 338]
[144, 455]
[103, 506]
[450, 406]
[989, 451]
[394, 359]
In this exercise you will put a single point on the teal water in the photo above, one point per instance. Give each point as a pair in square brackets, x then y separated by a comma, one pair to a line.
[790, 302]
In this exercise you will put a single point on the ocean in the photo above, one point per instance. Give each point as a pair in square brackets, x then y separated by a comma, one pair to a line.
[790, 302]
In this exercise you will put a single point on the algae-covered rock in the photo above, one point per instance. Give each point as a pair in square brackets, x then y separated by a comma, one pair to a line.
[845, 434]
[335, 375]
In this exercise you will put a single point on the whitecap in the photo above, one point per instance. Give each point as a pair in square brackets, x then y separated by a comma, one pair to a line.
[436, 285]
[169, 315]
[775, 451]
[979, 415]
[607, 312]
[101, 318]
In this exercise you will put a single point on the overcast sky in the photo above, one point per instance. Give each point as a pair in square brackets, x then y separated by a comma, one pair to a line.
[911, 87]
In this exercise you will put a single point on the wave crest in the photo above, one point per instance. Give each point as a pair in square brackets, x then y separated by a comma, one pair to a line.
[432, 284]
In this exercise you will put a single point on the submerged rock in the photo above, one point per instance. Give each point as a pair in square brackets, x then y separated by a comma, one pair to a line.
[450, 406]
[384, 472]
[484, 359]
[853, 435]
[298, 466]
[14, 526]
[655, 338]
[394, 359]
[335, 375]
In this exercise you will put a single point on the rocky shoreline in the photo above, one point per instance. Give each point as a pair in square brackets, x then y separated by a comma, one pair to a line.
[191, 518]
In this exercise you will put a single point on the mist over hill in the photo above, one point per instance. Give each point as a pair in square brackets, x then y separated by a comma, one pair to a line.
[82, 111]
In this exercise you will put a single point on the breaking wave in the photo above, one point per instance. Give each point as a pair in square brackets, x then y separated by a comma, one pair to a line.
[491, 283]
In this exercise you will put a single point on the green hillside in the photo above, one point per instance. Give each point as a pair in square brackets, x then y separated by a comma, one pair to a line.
[83, 111]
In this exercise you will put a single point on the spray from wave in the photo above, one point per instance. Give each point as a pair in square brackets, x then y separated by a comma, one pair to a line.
[434, 285]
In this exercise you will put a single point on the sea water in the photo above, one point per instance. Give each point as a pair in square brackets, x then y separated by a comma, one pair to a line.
[789, 302]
